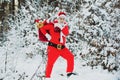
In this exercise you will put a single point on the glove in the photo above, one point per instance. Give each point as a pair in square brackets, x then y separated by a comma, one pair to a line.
[39, 23]
[57, 29]
[48, 37]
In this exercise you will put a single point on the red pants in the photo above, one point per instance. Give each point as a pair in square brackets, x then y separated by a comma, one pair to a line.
[53, 54]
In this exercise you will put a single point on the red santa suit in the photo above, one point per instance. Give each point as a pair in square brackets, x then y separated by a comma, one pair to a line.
[56, 46]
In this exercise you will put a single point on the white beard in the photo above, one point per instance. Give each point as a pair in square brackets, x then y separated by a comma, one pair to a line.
[61, 26]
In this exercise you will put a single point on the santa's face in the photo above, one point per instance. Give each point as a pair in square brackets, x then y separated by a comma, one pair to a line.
[61, 19]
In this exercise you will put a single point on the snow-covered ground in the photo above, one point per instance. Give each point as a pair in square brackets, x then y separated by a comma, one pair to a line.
[29, 66]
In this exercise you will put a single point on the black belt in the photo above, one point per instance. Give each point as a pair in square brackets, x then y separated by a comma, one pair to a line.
[58, 46]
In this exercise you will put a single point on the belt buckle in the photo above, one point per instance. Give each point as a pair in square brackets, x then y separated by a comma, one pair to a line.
[59, 46]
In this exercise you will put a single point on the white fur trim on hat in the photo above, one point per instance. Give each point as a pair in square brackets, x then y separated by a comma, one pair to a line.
[62, 16]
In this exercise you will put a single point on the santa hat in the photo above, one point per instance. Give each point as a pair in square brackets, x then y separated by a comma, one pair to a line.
[62, 14]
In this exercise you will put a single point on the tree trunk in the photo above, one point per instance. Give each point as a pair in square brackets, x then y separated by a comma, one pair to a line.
[15, 4]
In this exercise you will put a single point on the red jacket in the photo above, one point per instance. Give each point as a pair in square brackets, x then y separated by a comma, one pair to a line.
[55, 36]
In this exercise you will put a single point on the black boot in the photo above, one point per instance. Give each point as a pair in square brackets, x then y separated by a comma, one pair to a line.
[69, 74]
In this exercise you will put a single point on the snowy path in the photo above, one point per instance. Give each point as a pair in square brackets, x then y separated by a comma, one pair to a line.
[85, 73]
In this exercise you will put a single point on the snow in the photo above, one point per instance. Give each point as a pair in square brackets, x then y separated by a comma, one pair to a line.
[84, 72]
[29, 65]
[95, 21]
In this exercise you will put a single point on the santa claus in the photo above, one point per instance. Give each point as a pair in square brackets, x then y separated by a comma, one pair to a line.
[55, 33]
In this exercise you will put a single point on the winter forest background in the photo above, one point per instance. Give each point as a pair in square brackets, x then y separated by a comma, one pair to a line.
[94, 38]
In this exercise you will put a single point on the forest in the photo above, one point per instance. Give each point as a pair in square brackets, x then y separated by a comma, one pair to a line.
[94, 38]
